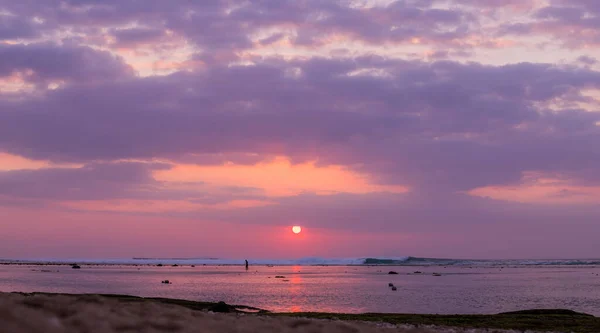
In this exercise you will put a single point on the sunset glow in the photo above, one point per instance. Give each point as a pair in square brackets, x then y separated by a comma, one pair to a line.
[278, 177]
[432, 125]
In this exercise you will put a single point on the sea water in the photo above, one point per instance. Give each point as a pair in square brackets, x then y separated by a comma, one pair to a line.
[454, 289]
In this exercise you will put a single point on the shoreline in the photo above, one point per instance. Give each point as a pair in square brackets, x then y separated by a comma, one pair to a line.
[540, 320]
[190, 265]
[366, 261]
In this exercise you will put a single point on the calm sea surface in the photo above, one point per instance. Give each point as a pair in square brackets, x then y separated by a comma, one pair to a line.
[351, 289]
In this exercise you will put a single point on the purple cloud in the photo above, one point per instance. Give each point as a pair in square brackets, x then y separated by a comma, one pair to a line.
[108, 181]
[587, 60]
[15, 27]
[575, 23]
[133, 36]
[91, 182]
[44, 62]
[228, 25]
[443, 124]
[565, 14]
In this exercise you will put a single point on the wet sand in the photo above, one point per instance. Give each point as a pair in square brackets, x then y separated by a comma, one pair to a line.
[54, 313]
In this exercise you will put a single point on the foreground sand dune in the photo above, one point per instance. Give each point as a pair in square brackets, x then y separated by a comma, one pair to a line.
[90, 313]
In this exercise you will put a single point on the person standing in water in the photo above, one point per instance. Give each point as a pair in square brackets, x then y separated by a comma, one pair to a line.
[246, 264]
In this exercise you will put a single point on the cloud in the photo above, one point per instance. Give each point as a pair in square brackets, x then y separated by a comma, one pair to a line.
[587, 60]
[441, 125]
[134, 36]
[278, 177]
[43, 62]
[229, 26]
[120, 187]
[15, 27]
[574, 23]
[89, 182]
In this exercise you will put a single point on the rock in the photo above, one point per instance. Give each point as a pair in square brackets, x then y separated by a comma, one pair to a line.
[394, 288]
[392, 272]
[221, 307]
[537, 312]
[166, 282]
[280, 277]
[417, 272]
[390, 284]
[174, 265]
[193, 265]
[437, 274]
[75, 266]
[159, 265]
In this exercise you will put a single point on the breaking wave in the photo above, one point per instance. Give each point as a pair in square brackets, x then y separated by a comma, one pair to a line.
[318, 261]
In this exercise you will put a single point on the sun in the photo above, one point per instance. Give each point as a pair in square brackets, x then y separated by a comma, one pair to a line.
[296, 229]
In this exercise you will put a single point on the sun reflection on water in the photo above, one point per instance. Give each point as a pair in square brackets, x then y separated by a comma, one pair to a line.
[295, 290]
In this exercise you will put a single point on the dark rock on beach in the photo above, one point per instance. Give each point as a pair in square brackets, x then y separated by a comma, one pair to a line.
[554, 312]
[392, 272]
[221, 307]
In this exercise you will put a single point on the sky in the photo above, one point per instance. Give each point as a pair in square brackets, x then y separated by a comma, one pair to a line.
[184, 128]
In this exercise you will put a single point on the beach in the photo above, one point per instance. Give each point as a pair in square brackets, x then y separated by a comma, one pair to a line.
[337, 289]
[59, 313]
[84, 313]
[133, 298]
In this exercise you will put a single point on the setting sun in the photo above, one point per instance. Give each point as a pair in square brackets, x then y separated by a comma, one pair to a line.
[296, 229]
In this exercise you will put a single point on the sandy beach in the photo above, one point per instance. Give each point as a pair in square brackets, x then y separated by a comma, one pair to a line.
[45, 313]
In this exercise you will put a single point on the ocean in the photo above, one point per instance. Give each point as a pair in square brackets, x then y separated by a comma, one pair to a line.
[424, 285]
[312, 261]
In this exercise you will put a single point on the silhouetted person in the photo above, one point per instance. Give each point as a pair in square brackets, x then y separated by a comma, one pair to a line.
[246, 264]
